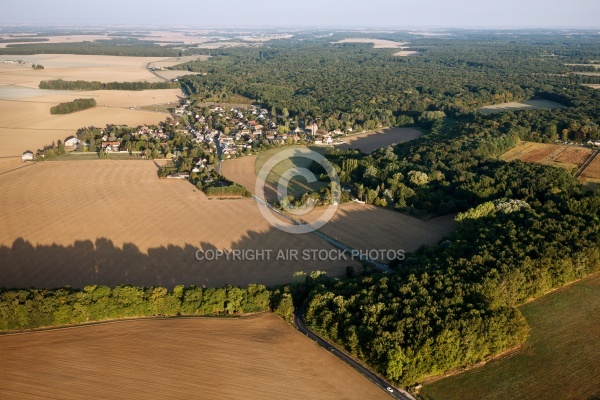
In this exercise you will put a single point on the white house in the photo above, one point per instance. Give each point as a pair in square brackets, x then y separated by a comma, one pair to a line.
[71, 142]
[27, 156]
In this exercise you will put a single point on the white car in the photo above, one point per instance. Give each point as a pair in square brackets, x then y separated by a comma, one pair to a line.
[389, 389]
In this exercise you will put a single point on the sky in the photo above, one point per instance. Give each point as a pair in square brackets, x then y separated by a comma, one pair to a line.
[396, 14]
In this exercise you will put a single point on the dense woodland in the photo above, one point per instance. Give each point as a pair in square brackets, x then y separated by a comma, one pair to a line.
[59, 84]
[522, 228]
[72, 106]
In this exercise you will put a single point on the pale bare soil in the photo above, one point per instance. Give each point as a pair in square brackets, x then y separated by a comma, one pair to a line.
[114, 222]
[408, 53]
[254, 358]
[593, 86]
[370, 141]
[567, 157]
[377, 43]
[524, 105]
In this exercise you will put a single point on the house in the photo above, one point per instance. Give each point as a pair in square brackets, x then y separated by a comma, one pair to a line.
[111, 146]
[71, 142]
[27, 156]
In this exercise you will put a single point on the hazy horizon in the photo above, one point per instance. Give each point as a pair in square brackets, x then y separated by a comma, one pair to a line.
[375, 14]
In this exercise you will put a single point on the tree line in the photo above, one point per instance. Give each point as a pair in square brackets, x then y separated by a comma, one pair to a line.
[72, 106]
[59, 84]
[34, 308]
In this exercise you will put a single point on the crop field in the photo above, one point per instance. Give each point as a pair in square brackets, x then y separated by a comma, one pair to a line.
[560, 359]
[366, 227]
[259, 357]
[115, 222]
[27, 123]
[370, 141]
[73, 67]
[591, 174]
[524, 105]
[568, 157]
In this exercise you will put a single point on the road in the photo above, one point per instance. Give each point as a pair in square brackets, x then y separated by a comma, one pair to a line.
[364, 371]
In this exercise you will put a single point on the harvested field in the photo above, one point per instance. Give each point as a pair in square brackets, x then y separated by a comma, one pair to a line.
[253, 358]
[370, 141]
[408, 53]
[73, 67]
[592, 172]
[367, 227]
[114, 222]
[524, 105]
[241, 171]
[567, 157]
[29, 125]
[560, 359]
[377, 43]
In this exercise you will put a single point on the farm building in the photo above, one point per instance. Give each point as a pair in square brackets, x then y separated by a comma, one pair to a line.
[27, 156]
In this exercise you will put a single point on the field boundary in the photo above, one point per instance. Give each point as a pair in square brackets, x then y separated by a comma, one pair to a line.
[130, 319]
[585, 164]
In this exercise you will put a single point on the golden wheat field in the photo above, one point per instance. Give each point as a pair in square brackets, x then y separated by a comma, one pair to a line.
[115, 222]
[253, 358]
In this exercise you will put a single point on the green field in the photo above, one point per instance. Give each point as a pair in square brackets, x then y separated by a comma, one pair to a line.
[298, 186]
[560, 360]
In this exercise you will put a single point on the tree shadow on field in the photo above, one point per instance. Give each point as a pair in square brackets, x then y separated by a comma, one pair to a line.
[100, 262]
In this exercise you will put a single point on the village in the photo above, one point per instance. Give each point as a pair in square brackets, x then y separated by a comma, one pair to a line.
[231, 132]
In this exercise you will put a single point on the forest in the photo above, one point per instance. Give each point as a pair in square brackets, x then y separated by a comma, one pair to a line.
[73, 106]
[59, 84]
[522, 229]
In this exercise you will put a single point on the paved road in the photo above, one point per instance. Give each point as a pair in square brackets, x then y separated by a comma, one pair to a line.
[367, 373]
